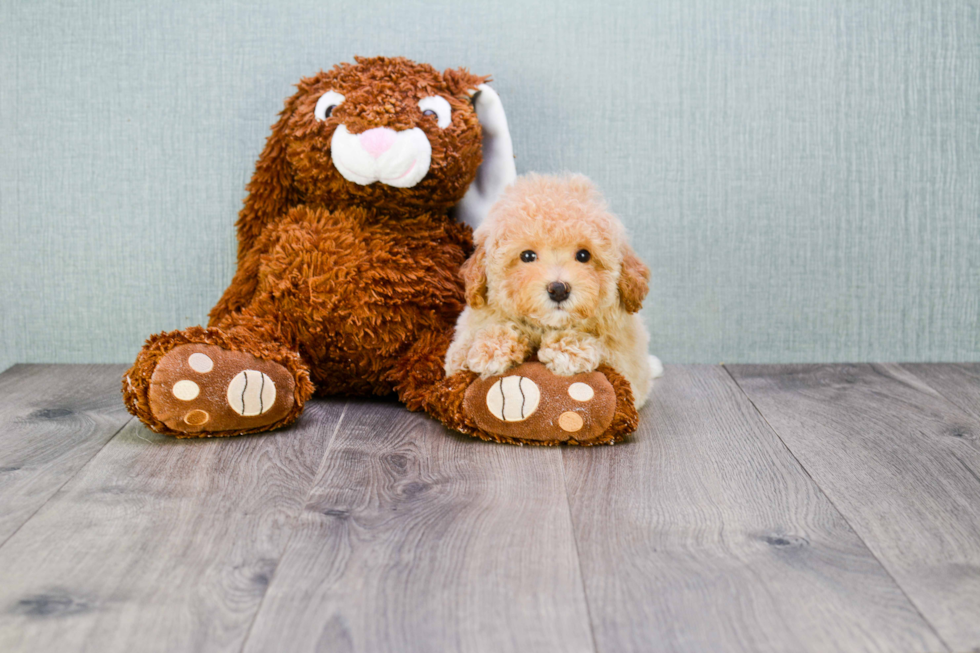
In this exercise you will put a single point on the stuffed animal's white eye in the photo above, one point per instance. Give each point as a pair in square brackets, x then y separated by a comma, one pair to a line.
[326, 104]
[438, 107]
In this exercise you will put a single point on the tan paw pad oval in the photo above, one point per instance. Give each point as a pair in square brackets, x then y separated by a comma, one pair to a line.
[197, 417]
[570, 422]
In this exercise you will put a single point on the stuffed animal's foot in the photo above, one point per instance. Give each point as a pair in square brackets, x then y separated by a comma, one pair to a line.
[199, 387]
[199, 383]
[532, 405]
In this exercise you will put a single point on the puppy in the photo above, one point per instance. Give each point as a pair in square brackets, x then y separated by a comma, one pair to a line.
[552, 273]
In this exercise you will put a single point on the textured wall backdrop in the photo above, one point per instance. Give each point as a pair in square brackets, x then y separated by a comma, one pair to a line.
[802, 176]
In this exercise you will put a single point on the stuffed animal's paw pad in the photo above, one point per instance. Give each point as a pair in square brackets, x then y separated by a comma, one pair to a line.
[570, 422]
[197, 417]
[186, 390]
[199, 388]
[581, 391]
[200, 363]
[513, 398]
[531, 404]
[251, 393]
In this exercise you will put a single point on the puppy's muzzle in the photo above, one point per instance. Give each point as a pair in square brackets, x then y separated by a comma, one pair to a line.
[559, 291]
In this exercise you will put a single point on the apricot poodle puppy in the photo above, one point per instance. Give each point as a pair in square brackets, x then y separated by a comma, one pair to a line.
[552, 274]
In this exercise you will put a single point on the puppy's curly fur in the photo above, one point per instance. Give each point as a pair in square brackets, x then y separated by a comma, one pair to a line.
[553, 274]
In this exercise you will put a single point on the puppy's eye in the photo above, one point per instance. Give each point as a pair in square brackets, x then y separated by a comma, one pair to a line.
[583, 256]
[326, 104]
[528, 256]
[437, 106]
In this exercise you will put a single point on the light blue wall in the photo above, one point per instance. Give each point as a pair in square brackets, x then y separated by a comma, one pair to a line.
[803, 176]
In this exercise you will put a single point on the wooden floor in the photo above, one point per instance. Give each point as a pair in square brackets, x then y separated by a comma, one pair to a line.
[759, 508]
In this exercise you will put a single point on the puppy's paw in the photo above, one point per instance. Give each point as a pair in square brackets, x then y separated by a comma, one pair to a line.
[495, 351]
[456, 357]
[570, 353]
[486, 361]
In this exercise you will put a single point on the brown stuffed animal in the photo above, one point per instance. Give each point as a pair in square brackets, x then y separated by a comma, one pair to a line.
[348, 278]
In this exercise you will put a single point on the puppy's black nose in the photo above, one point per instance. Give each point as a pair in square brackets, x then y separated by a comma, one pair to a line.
[558, 291]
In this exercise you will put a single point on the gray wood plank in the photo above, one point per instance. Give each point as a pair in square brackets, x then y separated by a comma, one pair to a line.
[703, 533]
[418, 539]
[160, 544]
[53, 420]
[901, 463]
[957, 382]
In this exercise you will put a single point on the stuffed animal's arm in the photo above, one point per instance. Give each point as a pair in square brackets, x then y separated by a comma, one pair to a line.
[570, 352]
[238, 293]
[246, 280]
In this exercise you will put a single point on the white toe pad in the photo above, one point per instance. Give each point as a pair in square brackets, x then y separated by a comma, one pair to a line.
[200, 363]
[251, 393]
[186, 390]
[513, 398]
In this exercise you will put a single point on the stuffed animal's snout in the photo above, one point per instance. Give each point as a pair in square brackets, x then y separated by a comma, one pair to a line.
[559, 291]
[395, 158]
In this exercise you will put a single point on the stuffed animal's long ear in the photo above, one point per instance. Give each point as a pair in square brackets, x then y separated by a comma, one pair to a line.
[271, 191]
[634, 279]
[474, 273]
[497, 171]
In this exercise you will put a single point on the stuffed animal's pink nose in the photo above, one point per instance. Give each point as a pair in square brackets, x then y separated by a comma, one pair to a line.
[377, 141]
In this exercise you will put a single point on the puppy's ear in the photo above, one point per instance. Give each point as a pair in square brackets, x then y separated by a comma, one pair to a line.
[474, 273]
[634, 278]
[271, 191]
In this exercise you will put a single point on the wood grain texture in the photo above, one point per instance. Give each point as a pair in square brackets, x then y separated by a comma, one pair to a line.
[160, 544]
[901, 463]
[957, 382]
[417, 539]
[704, 534]
[53, 420]
[367, 528]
